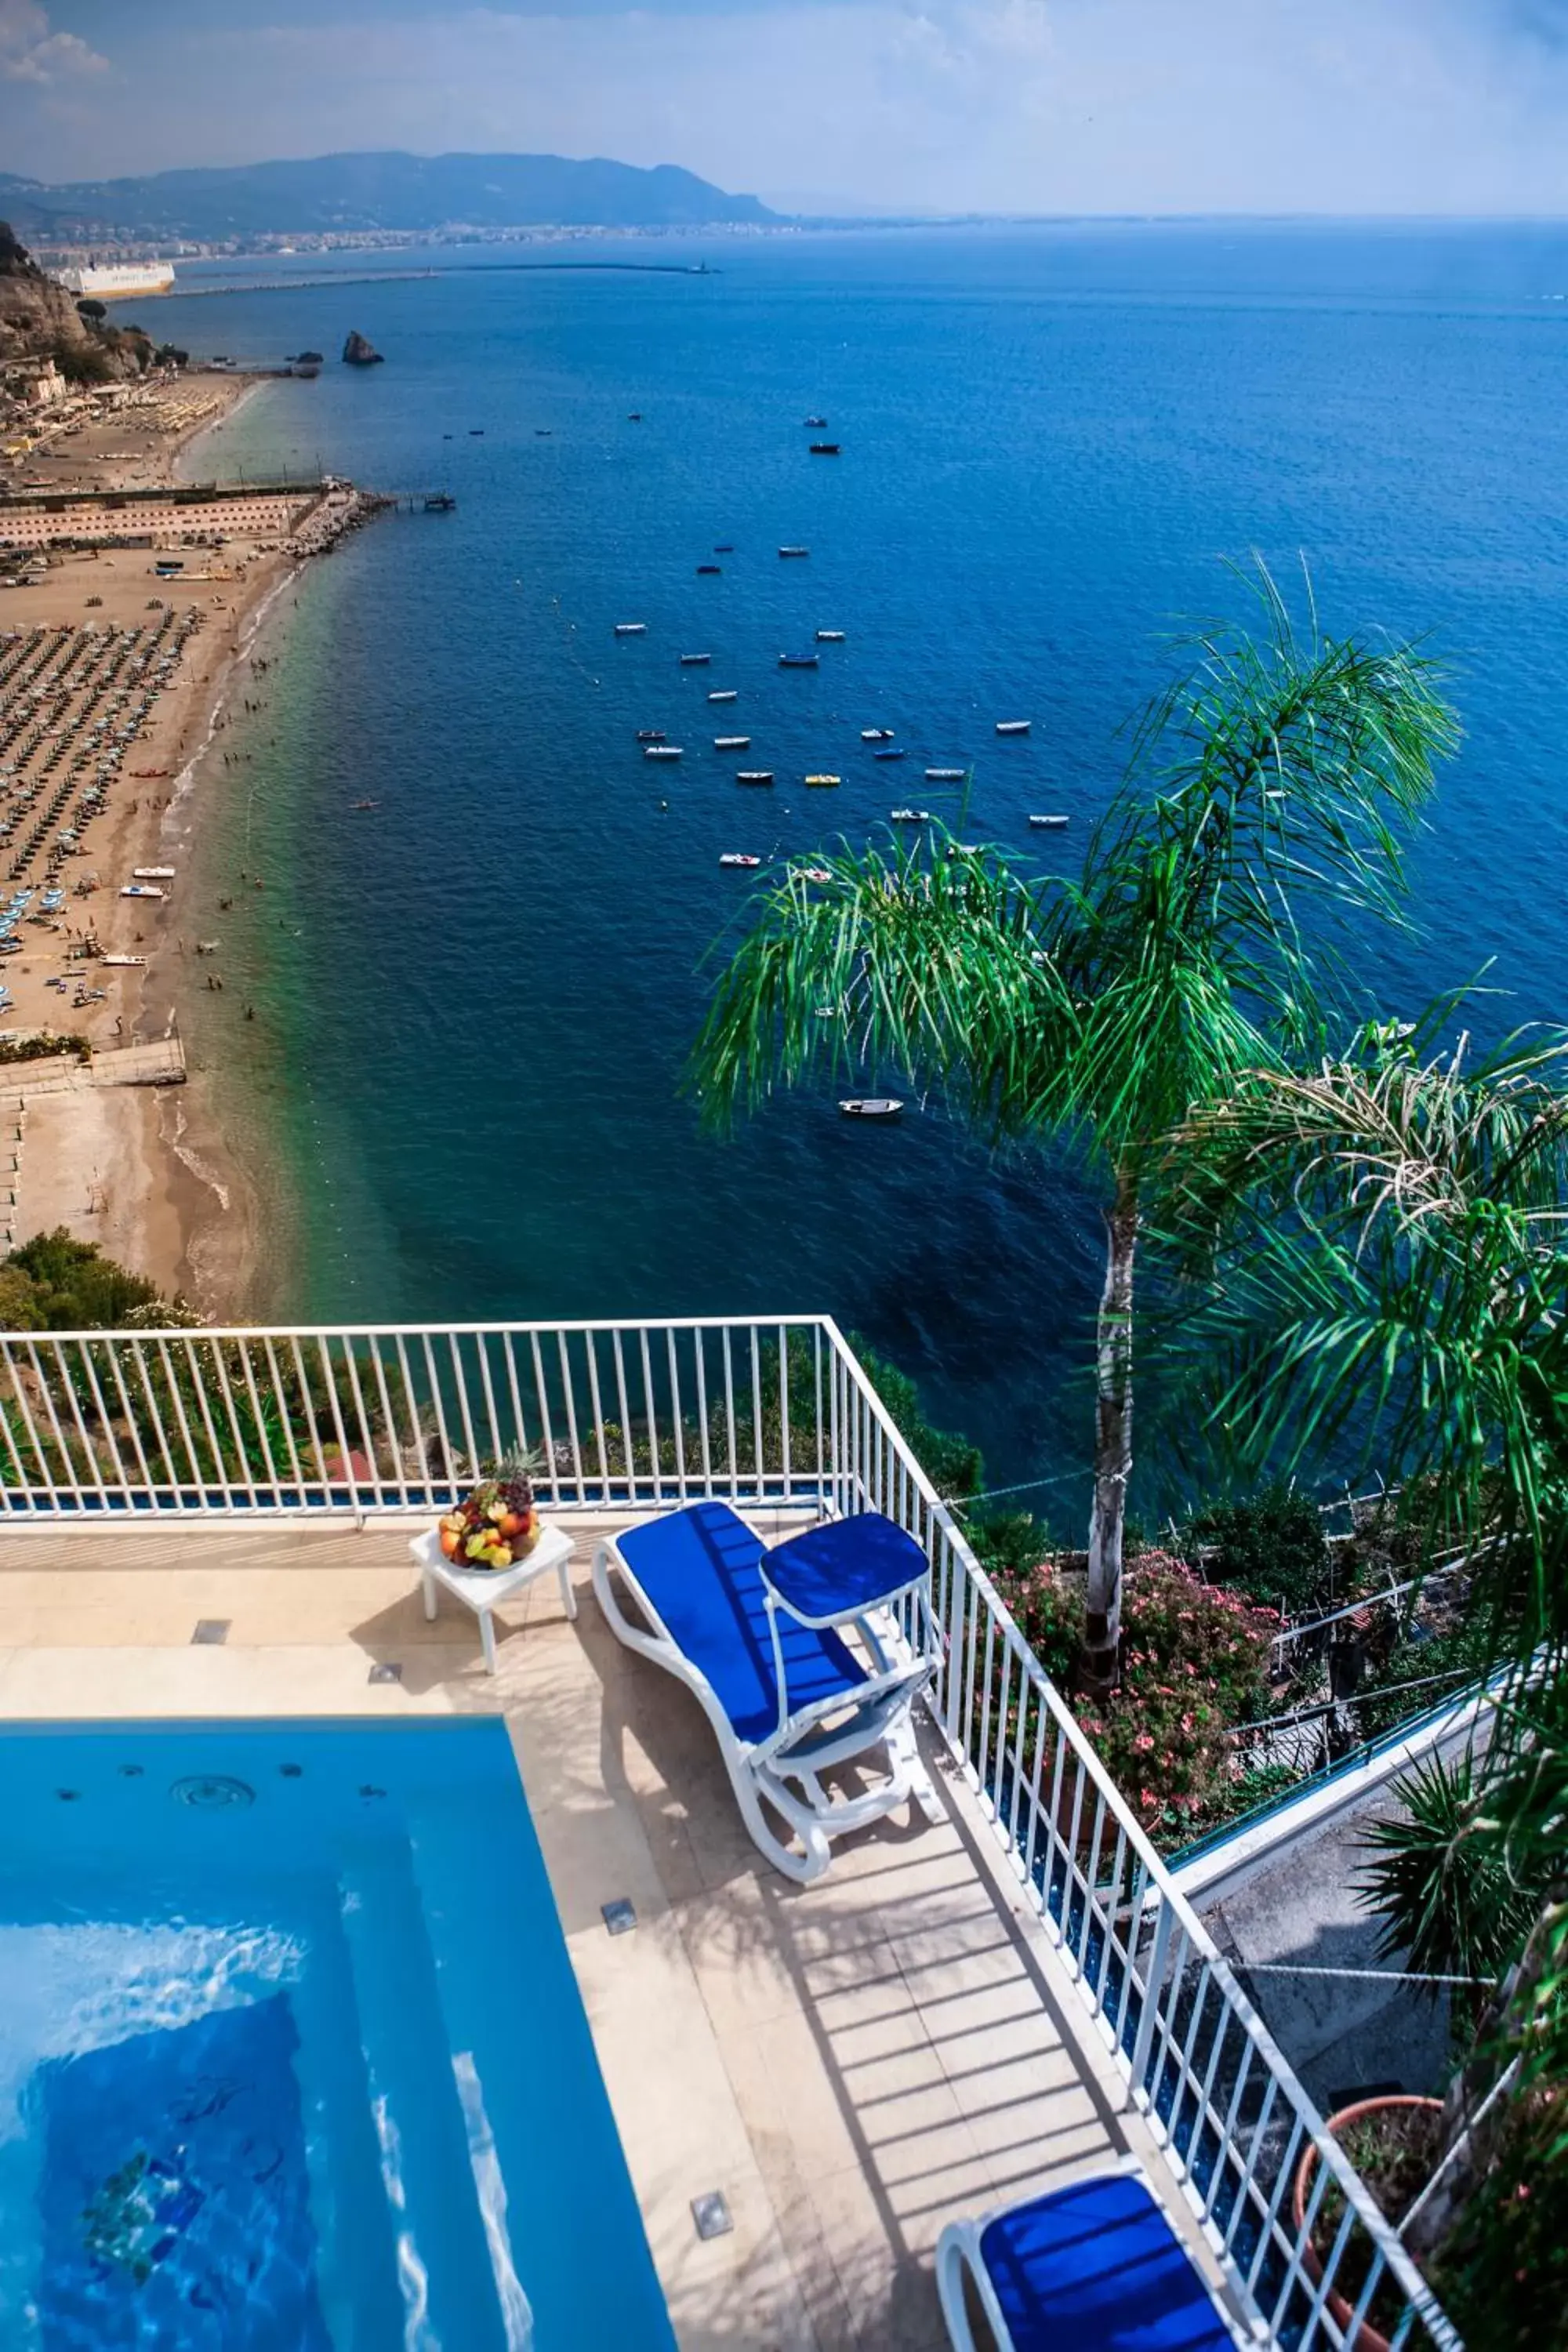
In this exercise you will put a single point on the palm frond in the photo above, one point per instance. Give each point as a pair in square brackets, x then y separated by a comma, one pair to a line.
[1394, 1265]
[937, 965]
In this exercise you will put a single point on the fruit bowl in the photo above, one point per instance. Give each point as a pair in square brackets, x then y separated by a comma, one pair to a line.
[495, 1528]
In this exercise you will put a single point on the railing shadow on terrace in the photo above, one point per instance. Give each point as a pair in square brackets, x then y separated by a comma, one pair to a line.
[138, 1428]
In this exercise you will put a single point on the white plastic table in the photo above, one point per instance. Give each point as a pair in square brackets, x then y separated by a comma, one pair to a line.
[481, 1588]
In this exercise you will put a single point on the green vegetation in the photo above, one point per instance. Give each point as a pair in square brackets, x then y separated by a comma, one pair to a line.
[1391, 1255]
[1275, 776]
[1270, 1545]
[42, 1046]
[55, 1283]
[85, 363]
[1194, 1664]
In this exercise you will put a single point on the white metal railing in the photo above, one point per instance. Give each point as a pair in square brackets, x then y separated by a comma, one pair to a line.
[128, 1426]
[132, 1428]
[1231, 2119]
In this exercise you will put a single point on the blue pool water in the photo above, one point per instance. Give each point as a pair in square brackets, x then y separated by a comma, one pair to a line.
[291, 2054]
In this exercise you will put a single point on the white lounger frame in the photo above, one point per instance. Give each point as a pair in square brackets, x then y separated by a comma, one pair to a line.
[783, 1771]
[958, 2259]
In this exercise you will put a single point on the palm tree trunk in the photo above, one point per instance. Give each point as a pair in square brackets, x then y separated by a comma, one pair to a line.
[1112, 1444]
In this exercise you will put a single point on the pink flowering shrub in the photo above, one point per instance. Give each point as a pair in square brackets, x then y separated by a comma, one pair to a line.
[1194, 1660]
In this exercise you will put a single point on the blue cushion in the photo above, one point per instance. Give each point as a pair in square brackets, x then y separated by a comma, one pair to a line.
[844, 1566]
[700, 1570]
[1098, 2267]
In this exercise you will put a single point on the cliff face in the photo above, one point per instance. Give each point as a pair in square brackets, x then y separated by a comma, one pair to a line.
[37, 317]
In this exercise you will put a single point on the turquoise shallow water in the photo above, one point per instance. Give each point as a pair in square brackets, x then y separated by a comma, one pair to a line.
[473, 1004]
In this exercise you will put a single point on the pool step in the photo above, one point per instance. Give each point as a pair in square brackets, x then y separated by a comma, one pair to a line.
[443, 2259]
[567, 2245]
[356, 2264]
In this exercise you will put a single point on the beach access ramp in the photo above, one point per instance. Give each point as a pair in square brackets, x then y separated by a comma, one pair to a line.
[161, 1062]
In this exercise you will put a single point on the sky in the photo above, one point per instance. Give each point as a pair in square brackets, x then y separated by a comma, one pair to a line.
[944, 106]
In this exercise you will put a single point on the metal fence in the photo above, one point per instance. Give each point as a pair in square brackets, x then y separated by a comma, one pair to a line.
[131, 1427]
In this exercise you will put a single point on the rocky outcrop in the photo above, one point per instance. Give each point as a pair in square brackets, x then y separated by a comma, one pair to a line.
[357, 352]
[39, 320]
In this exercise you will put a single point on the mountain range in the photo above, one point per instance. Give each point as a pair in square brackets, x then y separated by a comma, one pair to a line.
[339, 194]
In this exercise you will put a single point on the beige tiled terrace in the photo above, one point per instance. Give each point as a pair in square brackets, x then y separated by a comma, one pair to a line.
[852, 2063]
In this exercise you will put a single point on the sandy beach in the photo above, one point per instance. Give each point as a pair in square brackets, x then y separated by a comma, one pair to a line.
[144, 1169]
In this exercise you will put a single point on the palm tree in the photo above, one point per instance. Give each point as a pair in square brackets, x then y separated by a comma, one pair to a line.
[1393, 1236]
[1393, 1230]
[1277, 772]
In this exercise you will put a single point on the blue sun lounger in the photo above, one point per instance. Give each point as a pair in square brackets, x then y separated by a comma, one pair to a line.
[752, 1632]
[1094, 2267]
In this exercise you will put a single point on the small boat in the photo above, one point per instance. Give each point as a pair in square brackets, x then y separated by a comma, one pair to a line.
[1013, 725]
[725, 693]
[891, 752]
[794, 550]
[909, 816]
[824, 448]
[945, 775]
[815, 423]
[755, 776]
[964, 849]
[442, 503]
[830, 636]
[731, 742]
[813, 874]
[141, 891]
[652, 735]
[727, 549]
[1047, 823]
[147, 874]
[124, 962]
[872, 1107]
[476, 432]
[631, 628]
[823, 782]
[709, 571]
[876, 734]
[662, 752]
[799, 661]
[694, 661]
[738, 857]
[367, 804]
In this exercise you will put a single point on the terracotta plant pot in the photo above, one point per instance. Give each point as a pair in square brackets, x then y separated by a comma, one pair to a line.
[1367, 2338]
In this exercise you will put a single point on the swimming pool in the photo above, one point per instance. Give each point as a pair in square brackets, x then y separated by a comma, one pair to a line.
[292, 2058]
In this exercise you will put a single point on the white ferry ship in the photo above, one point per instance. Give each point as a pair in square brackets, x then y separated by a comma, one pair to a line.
[114, 281]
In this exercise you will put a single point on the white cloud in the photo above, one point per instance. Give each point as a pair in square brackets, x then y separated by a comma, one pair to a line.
[30, 52]
[937, 105]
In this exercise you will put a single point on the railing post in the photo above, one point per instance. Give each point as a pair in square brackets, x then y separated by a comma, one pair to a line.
[1153, 1984]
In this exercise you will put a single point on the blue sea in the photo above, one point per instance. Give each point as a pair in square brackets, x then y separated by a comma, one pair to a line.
[472, 1004]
